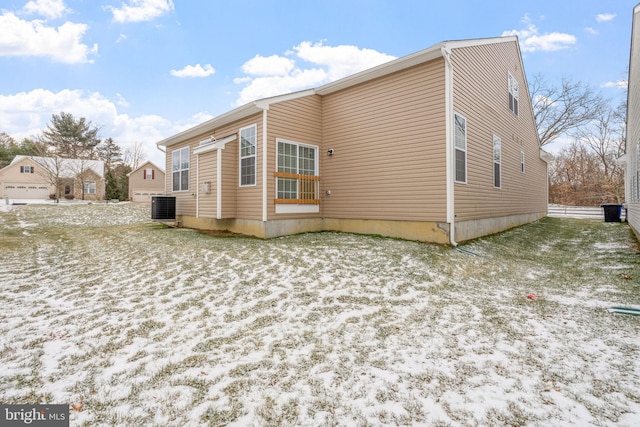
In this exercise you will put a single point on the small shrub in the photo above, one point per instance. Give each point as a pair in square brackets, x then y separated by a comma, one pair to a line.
[69, 196]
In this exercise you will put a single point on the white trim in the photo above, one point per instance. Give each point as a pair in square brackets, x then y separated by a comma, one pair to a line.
[295, 208]
[264, 165]
[466, 162]
[493, 160]
[219, 183]
[255, 156]
[217, 144]
[449, 137]
[197, 186]
[288, 209]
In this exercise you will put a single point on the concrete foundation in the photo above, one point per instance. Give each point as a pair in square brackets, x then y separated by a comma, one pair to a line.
[467, 230]
[423, 231]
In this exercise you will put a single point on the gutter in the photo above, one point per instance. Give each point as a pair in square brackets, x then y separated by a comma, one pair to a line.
[449, 157]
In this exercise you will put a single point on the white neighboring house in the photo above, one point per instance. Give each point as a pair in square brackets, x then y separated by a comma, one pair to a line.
[632, 156]
[34, 178]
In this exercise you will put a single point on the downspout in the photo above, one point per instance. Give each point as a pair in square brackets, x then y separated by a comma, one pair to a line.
[219, 184]
[449, 157]
[197, 184]
[264, 164]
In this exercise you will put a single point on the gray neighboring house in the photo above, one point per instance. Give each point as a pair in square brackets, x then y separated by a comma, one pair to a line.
[632, 156]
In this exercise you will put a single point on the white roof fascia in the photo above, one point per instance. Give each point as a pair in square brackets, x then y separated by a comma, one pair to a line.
[402, 63]
[546, 156]
[216, 145]
[231, 116]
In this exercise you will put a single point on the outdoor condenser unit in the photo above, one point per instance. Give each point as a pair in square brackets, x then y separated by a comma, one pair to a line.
[163, 208]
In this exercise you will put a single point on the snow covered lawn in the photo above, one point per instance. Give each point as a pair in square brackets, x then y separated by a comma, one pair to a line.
[135, 324]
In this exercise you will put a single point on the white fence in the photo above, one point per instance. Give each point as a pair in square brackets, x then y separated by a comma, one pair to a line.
[592, 212]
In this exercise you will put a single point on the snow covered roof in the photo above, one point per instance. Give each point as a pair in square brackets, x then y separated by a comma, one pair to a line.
[69, 168]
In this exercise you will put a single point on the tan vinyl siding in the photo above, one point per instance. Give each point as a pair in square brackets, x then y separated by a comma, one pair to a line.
[237, 202]
[481, 96]
[240, 202]
[207, 166]
[300, 121]
[185, 200]
[632, 181]
[389, 142]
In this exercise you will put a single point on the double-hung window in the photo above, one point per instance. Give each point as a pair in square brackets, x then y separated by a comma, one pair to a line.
[89, 187]
[180, 169]
[497, 161]
[514, 98]
[522, 161]
[26, 169]
[248, 155]
[148, 174]
[460, 142]
[299, 160]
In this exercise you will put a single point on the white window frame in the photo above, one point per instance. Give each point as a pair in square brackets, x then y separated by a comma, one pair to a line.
[297, 208]
[148, 173]
[26, 169]
[514, 94]
[497, 162]
[459, 149]
[183, 156]
[89, 187]
[243, 134]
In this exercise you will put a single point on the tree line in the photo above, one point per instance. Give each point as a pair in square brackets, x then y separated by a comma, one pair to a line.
[68, 137]
[587, 171]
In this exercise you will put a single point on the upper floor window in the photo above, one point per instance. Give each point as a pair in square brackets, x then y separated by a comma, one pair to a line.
[180, 168]
[26, 169]
[460, 142]
[497, 161]
[522, 161]
[248, 155]
[149, 174]
[514, 97]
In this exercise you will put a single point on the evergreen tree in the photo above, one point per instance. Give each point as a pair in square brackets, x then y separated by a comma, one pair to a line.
[70, 137]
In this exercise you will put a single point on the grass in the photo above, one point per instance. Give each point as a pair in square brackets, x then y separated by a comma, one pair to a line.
[136, 324]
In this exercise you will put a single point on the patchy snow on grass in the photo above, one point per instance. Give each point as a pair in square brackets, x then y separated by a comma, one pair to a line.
[132, 323]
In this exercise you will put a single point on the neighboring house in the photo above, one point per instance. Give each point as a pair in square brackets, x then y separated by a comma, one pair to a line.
[32, 177]
[438, 146]
[146, 181]
[632, 152]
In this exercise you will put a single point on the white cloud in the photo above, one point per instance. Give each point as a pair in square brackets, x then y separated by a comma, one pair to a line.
[532, 41]
[48, 8]
[621, 84]
[25, 114]
[307, 65]
[33, 38]
[141, 10]
[121, 38]
[605, 17]
[273, 65]
[194, 71]
[591, 30]
[340, 61]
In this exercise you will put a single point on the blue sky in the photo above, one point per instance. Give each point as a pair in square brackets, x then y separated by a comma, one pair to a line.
[143, 70]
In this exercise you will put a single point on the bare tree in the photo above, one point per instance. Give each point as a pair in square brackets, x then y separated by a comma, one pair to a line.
[134, 155]
[559, 110]
[52, 170]
[605, 138]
